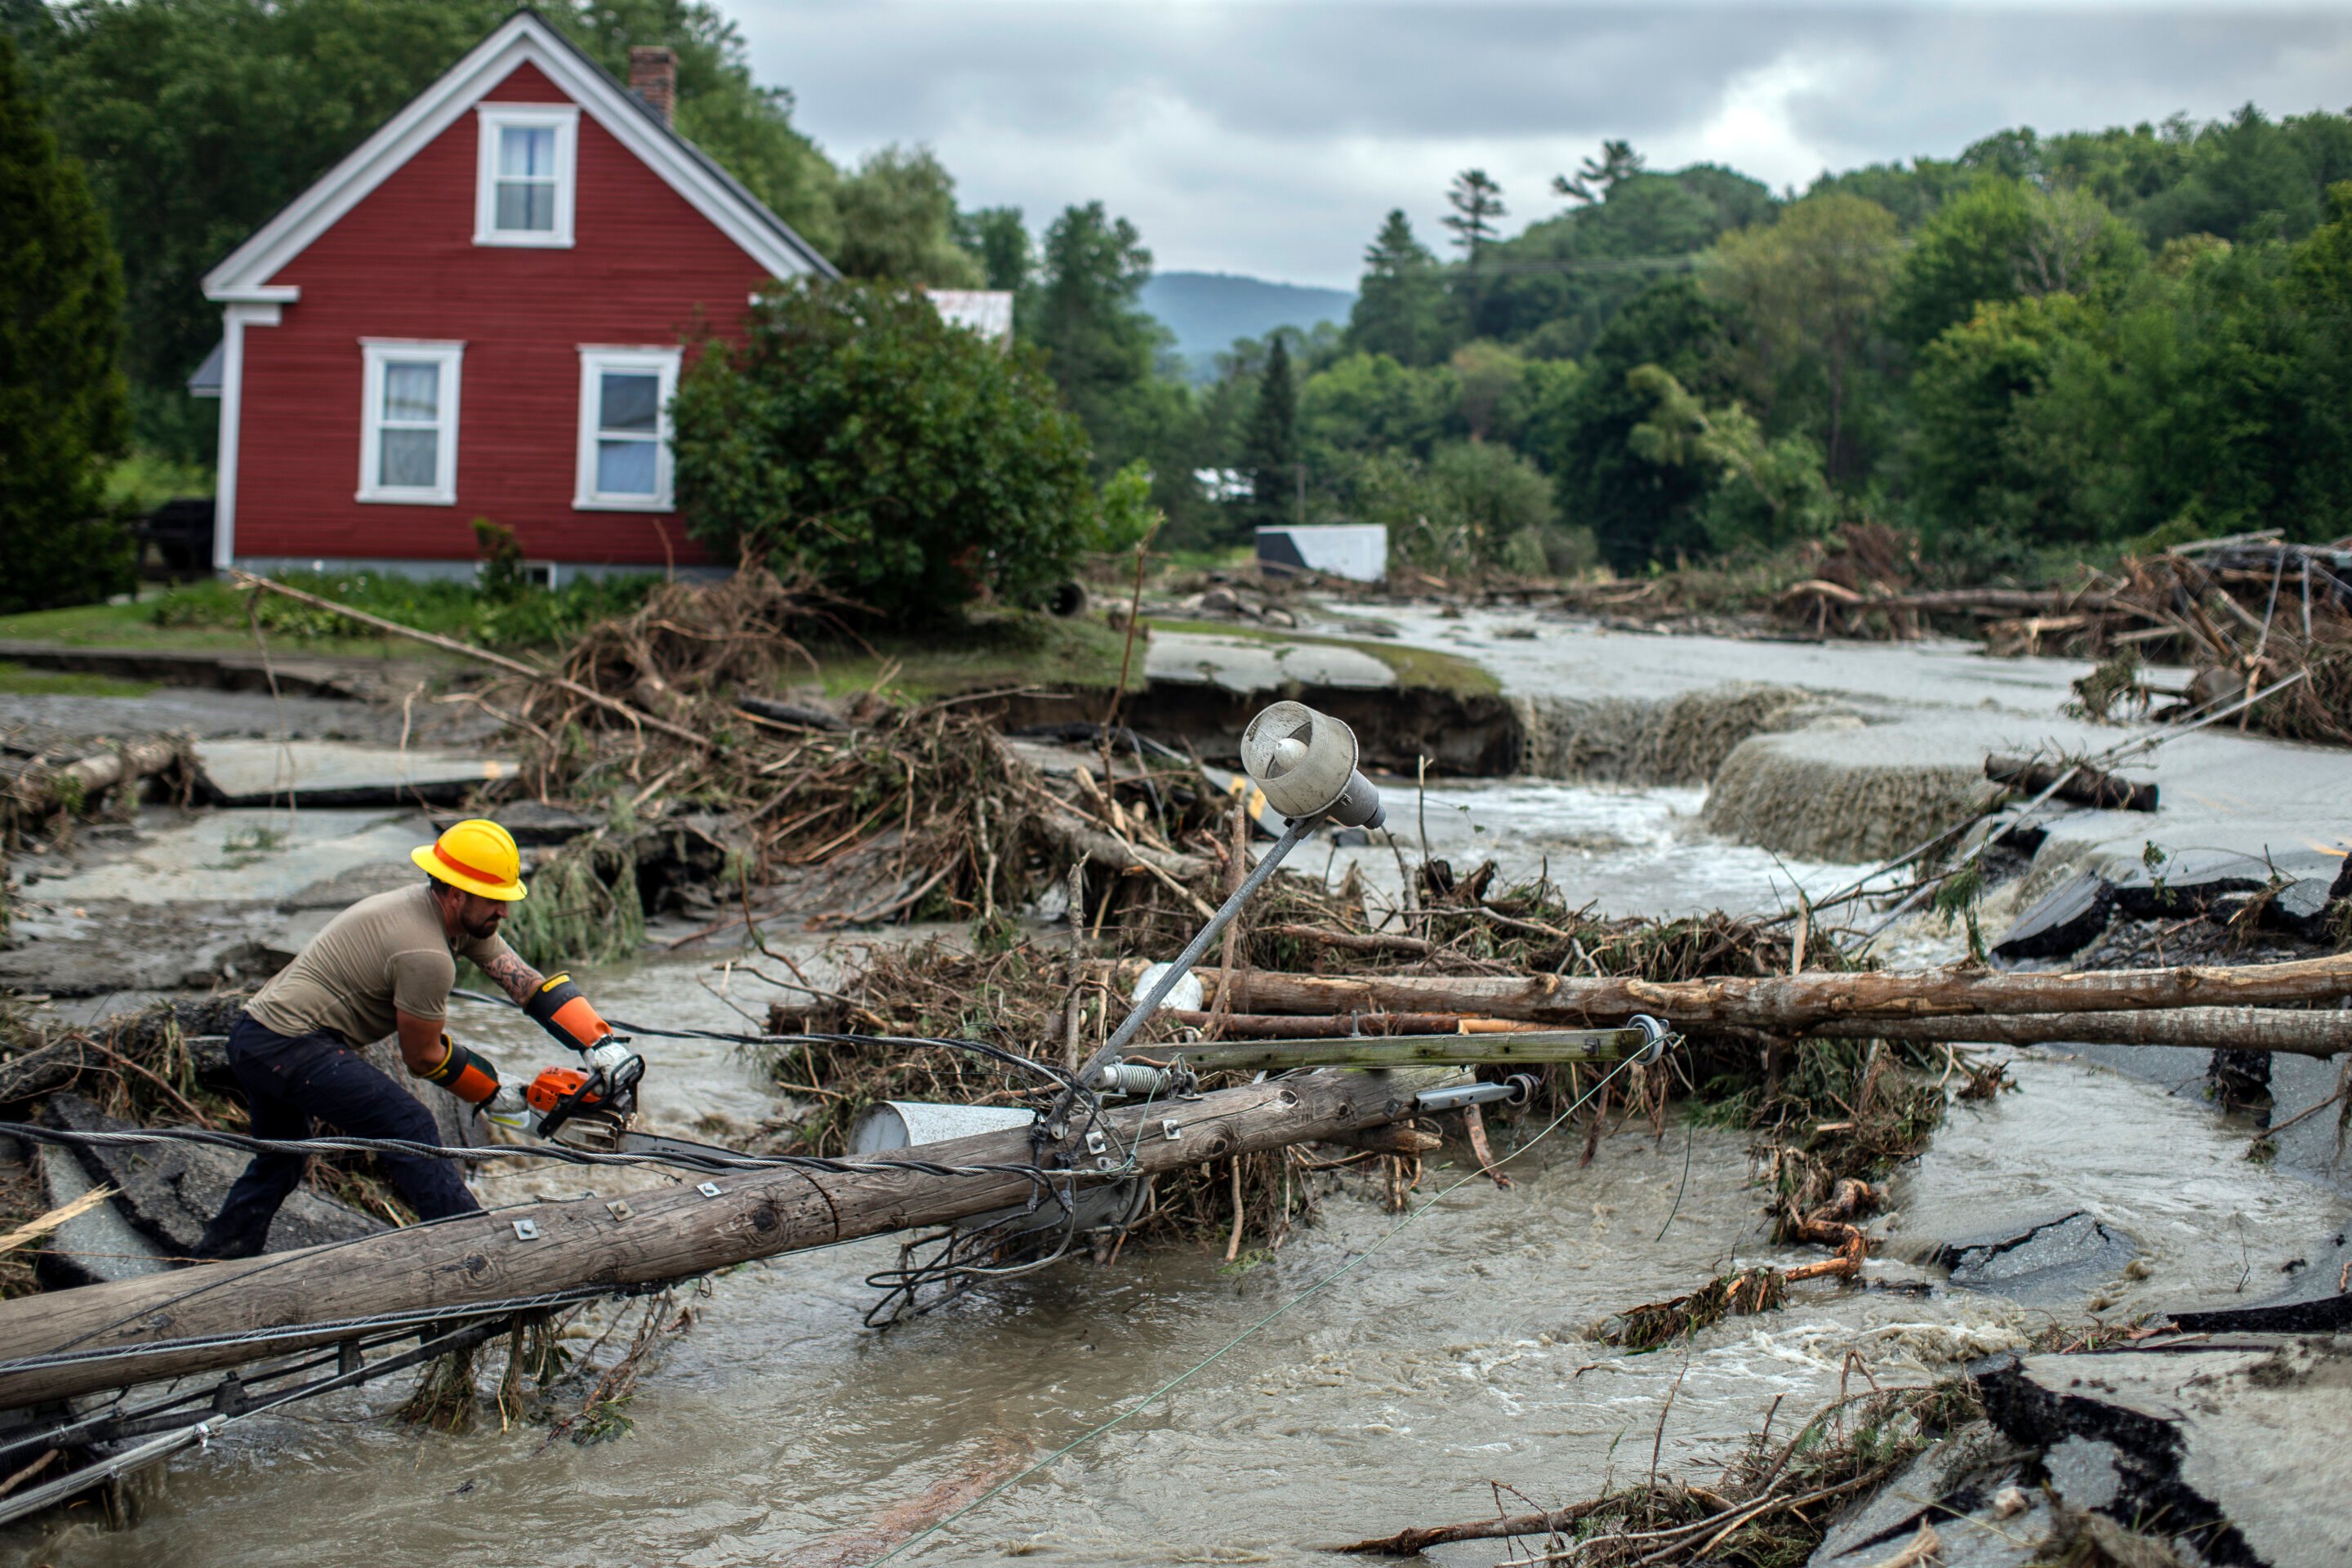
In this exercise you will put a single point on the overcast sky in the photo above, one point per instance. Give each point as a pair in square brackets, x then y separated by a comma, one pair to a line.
[1269, 138]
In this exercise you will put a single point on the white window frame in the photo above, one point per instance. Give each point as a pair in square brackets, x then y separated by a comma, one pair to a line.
[564, 118]
[595, 359]
[375, 355]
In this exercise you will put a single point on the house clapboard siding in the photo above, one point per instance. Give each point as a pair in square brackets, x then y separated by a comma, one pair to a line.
[665, 250]
[643, 269]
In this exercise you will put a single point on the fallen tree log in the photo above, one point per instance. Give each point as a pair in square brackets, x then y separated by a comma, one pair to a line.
[2304, 1033]
[2083, 784]
[39, 790]
[70, 1342]
[1784, 1003]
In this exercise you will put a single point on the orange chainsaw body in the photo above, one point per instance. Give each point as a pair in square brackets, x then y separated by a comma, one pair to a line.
[553, 1085]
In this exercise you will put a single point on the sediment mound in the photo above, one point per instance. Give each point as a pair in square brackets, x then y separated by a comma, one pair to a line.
[1850, 792]
[1680, 740]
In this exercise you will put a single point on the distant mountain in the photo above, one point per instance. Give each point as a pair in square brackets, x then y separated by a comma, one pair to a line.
[1207, 310]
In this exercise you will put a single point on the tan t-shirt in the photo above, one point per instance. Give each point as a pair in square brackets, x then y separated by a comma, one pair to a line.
[385, 953]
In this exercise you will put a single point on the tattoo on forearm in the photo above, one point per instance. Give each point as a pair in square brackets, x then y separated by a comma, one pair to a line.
[515, 977]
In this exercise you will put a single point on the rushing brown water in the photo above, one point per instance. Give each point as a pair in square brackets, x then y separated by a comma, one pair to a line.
[777, 1430]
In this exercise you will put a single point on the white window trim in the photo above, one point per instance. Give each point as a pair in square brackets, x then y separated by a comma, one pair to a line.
[595, 360]
[375, 353]
[564, 118]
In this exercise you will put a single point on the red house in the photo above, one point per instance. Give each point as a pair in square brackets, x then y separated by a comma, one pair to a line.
[481, 313]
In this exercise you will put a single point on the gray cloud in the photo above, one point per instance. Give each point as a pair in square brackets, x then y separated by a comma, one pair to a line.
[1270, 137]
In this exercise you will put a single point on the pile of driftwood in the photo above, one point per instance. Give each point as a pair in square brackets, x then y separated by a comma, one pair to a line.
[2247, 613]
[906, 813]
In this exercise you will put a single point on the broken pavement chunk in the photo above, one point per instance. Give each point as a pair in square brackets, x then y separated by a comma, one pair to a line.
[2243, 1452]
[2057, 1257]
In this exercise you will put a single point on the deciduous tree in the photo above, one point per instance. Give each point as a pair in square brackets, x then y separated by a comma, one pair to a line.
[1811, 284]
[907, 463]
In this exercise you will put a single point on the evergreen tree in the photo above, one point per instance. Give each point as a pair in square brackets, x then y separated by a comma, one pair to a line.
[1270, 445]
[1477, 203]
[1599, 177]
[1400, 305]
[61, 390]
[997, 239]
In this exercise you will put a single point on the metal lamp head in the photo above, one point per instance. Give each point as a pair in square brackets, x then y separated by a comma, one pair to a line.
[1306, 764]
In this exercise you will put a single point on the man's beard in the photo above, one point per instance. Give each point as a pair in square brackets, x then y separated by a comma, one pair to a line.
[485, 926]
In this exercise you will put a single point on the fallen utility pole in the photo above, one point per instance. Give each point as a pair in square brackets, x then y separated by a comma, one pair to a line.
[1513, 1049]
[70, 1342]
[1788, 1003]
[2300, 1033]
[481, 656]
[1296, 1027]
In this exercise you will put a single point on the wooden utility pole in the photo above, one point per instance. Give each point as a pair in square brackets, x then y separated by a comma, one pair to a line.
[70, 1342]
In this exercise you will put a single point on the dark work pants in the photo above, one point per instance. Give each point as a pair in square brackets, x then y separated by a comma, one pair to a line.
[289, 1083]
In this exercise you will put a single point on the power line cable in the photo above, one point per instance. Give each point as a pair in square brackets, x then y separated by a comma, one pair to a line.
[1316, 1287]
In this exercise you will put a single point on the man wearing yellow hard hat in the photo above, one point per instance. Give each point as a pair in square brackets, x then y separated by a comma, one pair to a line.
[385, 967]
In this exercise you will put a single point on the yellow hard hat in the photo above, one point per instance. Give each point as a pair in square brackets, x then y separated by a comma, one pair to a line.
[477, 856]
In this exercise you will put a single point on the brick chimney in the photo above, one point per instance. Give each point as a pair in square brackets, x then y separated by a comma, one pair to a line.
[652, 76]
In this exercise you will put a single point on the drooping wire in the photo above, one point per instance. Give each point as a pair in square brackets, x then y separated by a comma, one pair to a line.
[1311, 1290]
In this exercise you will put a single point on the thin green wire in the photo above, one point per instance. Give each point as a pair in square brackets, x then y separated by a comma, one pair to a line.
[1218, 1354]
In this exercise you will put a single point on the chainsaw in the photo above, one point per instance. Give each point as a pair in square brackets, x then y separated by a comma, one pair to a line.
[592, 1107]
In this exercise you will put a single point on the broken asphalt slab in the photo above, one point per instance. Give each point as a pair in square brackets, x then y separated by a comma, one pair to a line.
[2058, 1258]
[170, 1191]
[1253, 664]
[2239, 1451]
[332, 774]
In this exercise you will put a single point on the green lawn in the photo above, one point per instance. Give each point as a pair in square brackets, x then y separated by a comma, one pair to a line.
[16, 680]
[993, 653]
[134, 626]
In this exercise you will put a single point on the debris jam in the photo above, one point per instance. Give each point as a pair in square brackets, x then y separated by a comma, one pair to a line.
[1927, 1144]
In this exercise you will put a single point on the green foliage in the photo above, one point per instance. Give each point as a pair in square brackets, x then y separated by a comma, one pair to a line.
[1474, 504]
[1270, 444]
[521, 619]
[1640, 511]
[908, 464]
[1124, 516]
[1552, 288]
[1767, 494]
[1400, 308]
[1370, 403]
[1806, 291]
[141, 480]
[1478, 209]
[61, 391]
[996, 238]
[503, 574]
[898, 222]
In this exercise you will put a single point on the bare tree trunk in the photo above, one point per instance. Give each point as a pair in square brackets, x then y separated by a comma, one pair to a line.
[1791, 1004]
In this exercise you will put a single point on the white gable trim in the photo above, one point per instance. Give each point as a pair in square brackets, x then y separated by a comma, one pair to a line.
[234, 319]
[524, 39]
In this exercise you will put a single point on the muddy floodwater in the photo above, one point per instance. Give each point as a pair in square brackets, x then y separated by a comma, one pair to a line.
[776, 1429]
